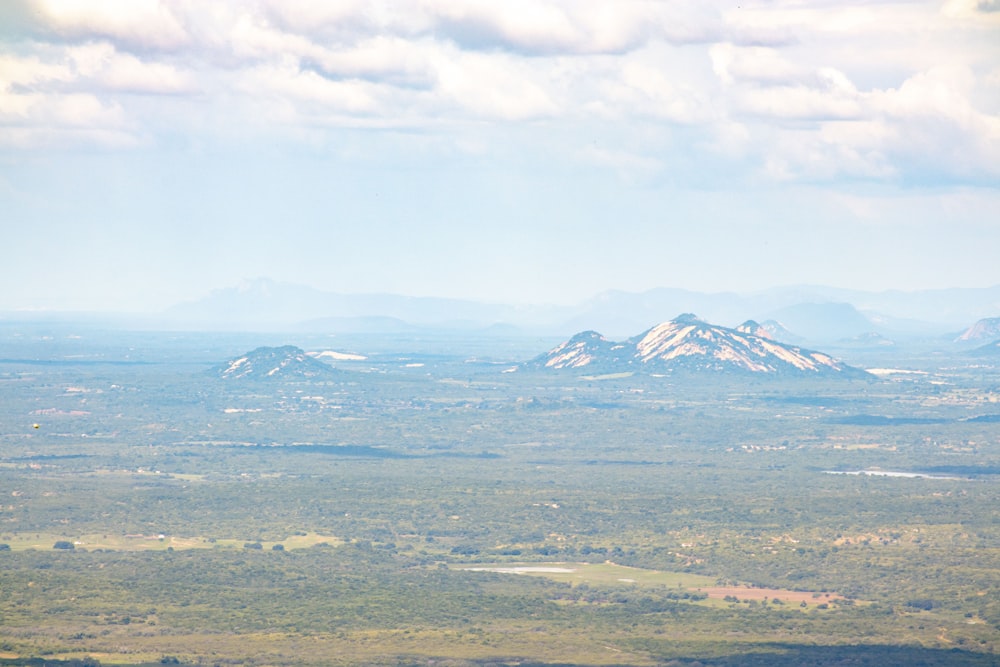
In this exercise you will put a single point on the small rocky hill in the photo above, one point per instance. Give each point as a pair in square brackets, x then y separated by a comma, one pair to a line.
[275, 363]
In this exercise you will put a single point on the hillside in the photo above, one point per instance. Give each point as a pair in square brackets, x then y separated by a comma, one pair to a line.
[986, 329]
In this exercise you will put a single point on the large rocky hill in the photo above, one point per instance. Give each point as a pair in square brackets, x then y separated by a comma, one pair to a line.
[687, 343]
[986, 329]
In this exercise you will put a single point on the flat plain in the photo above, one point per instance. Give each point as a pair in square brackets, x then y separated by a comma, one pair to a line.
[431, 505]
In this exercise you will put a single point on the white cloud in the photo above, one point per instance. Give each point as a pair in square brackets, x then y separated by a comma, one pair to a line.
[393, 60]
[518, 24]
[800, 89]
[252, 40]
[832, 98]
[754, 64]
[642, 88]
[286, 84]
[30, 71]
[78, 109]
[101, 65]
[522, 26]
[977, 10]
[924, 130]
[70, 97]
[143, 24]
[935, 125]
[32, 120]
[492, 87]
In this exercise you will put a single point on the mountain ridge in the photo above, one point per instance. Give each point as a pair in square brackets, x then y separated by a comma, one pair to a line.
[263, 305]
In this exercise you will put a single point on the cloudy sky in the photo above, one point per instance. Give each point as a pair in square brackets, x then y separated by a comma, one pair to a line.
[532, 151]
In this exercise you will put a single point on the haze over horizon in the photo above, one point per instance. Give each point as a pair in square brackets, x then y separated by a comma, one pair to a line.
[529, 152]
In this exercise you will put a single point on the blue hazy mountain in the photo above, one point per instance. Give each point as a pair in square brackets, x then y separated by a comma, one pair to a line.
[269, 305]
[824, 322]
[805, 313]
[988, 350]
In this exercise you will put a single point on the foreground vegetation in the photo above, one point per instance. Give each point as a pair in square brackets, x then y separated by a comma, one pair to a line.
[363, 520]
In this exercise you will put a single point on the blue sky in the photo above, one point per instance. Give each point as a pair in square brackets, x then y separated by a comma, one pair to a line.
[522, 152]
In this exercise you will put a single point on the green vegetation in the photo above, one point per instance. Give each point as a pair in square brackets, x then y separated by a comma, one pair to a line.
[357, 521]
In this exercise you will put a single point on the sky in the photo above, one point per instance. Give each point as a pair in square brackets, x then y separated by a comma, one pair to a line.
[524, 151]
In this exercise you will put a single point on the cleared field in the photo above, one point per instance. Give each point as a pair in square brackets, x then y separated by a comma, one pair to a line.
[612, 574]
[744, 593]
[607, 573]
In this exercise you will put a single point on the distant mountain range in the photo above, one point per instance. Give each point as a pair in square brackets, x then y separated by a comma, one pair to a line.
[264, 304]
[799, 314]
[687, 343]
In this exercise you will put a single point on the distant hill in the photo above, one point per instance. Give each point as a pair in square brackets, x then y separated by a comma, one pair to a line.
[825, 322]
[870, 340]
[275, 363]
[267, 305]
[986, 329]
[687, 343]
[589, 349]
[988, 350]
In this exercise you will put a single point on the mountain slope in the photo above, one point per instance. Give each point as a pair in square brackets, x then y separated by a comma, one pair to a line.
[823, 321]
[275, 363]
[986, 329]
[687, 343]
[988, 350]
